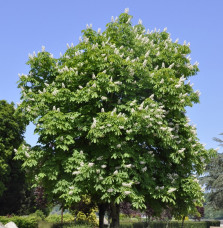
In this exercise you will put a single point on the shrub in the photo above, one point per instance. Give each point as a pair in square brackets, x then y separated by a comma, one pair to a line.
[55, 218]
[172, 224]
[21, 221]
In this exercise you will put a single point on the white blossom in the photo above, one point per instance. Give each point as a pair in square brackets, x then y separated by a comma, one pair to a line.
[104, 98]
[55, 92]
[127, 192]
[93, 76]
[144, 169]
[110, 190]
[102, 110]
[171, 190]
[198, 92]
[118, 146]
[103, 166]
[128, 166]
[129, 19]
[90, 164]
[165, 29]
[27, 154]
[76, 172]
[126, 10]
[196, 63]
[140, 22]
[129, 131]
[142, 162]
[151, 96]
[97, 171]
[99, 30]
[100, 158]
[94, 123]
[116, 172]
[43, 48]
[127, 184]
[181, 150]
[162, 81]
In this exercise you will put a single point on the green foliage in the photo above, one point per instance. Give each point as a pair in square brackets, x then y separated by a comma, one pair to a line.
[111, 119]
[55, 218]
[21, 221]
[213, 181]
[39, 215]
[11, 136]
[172, 224]
[15, 194]
[70, 225]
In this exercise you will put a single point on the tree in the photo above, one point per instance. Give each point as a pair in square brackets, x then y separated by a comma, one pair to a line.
[111, 119]
[12, 179]
[212, 181]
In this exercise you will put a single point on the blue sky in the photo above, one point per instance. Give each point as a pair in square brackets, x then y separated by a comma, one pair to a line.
[26, 25]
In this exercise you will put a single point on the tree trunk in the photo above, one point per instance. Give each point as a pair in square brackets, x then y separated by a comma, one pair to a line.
[62, 214]
[102, 209]
[115, 209]
[182, 225]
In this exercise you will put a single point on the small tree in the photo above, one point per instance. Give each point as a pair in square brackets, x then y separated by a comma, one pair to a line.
[110, 114]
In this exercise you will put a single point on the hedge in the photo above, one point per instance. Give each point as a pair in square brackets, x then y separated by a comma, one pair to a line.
[21, 221]
[172, 224]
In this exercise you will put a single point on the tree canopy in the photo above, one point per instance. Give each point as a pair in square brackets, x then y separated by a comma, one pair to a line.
[212, 181]
[12, 178]
[111, 119]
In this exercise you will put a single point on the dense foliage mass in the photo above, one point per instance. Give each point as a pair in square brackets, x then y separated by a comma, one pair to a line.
[213, 181]
[14, 194]
[111, 119]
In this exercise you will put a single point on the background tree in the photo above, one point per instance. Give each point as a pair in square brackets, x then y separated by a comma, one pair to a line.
[213, 181]
[111, 119]
[15, 197]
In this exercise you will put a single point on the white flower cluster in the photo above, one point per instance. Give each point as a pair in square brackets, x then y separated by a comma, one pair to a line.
[94, 123]
[127, 192]
[158, 187]
[171, 190]
[90, 164]
[127, 184]
[76, 172]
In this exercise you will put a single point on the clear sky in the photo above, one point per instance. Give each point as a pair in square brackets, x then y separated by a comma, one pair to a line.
[26, 25]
